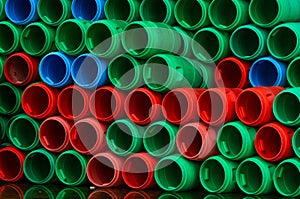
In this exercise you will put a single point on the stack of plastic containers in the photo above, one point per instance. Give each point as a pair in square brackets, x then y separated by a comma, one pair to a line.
[151, 93]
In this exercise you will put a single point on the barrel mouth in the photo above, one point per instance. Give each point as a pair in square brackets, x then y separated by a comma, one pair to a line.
[11, 41]
[52, 12]
[115, 9]
[9, 102]
[87, 9]
[292, 71]
[264, 12]
[20, 11]
[11, 167]
[18, 69]
[154, 10]
[296, 142]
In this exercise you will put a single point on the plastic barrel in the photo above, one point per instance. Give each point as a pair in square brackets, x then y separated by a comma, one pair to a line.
[175, 173]
[143, 106]
[104, 170]
[91, 10]
[124, 137]
[138, 171]
[143, 39]
[283, 41]
[273, 142]
[54, 134]
[54, 12]
[269, 14]
[164, 72]
[228, 14]
[55, 69]
[249, 42]
[197, 141]
[39, 166]
[21, 12]
[40, 101]
[87, 136]
[72, 44]
[286, 106]
[160, 139]
[10, 39]
[158, 11]
[268, 71]
[11, 164]
[292, 71]
[286, 177]
[254, 105]
[21, 69]
[72, 102]
[236, 141]
[127, 77]
[70, 168]
[10, 99]
[232, 72]
[103, 38]
[125, 10]
[16, 128]
[296, 142]
[192, 14]
[216, 106]
[106, 104]
[89, 71]
[217, 175]
[210, 45]
[255, 176]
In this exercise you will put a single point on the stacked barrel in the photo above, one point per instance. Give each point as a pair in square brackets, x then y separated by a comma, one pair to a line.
[175, 94]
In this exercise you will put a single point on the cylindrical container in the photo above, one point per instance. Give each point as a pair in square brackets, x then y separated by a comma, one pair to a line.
[286, 178]
[269, 14]
[73, 192]
[217, 175]
[21, 69]
[11, 164]
[21, 12]
[126, 72]
[105, 170]
[72, 44]
[210, 45]
[138, 171]
[54, 134]
[283, 40]
[143, 39]
[160, 139]
[228, 14]
[164, 72]
[179, 106]
[70, 168]
[2, 62]
[236, 141]
[41, 191]
[254, 105]
[192, 15]
[268, 71]
[73, 102]
[292, 71]
[106, 104]
[143, 106]
[103, 38]
[39, 167]
[232, 72]
[296, 142]
[273, 142]
[285, 107]
[10, 37]
[91, 10]
[125, 10]
[124, 137]
[10, 99]
[2, 9]
[216, 106]
[249, 42]
[55, 69]
[40, 101]
[158, 11]
[255, 176]
[23, 132]
[87, 136]
[196, 141]
[186, 37]
[37, 39]
[89, 71]
[54, 12]
[175, 173]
